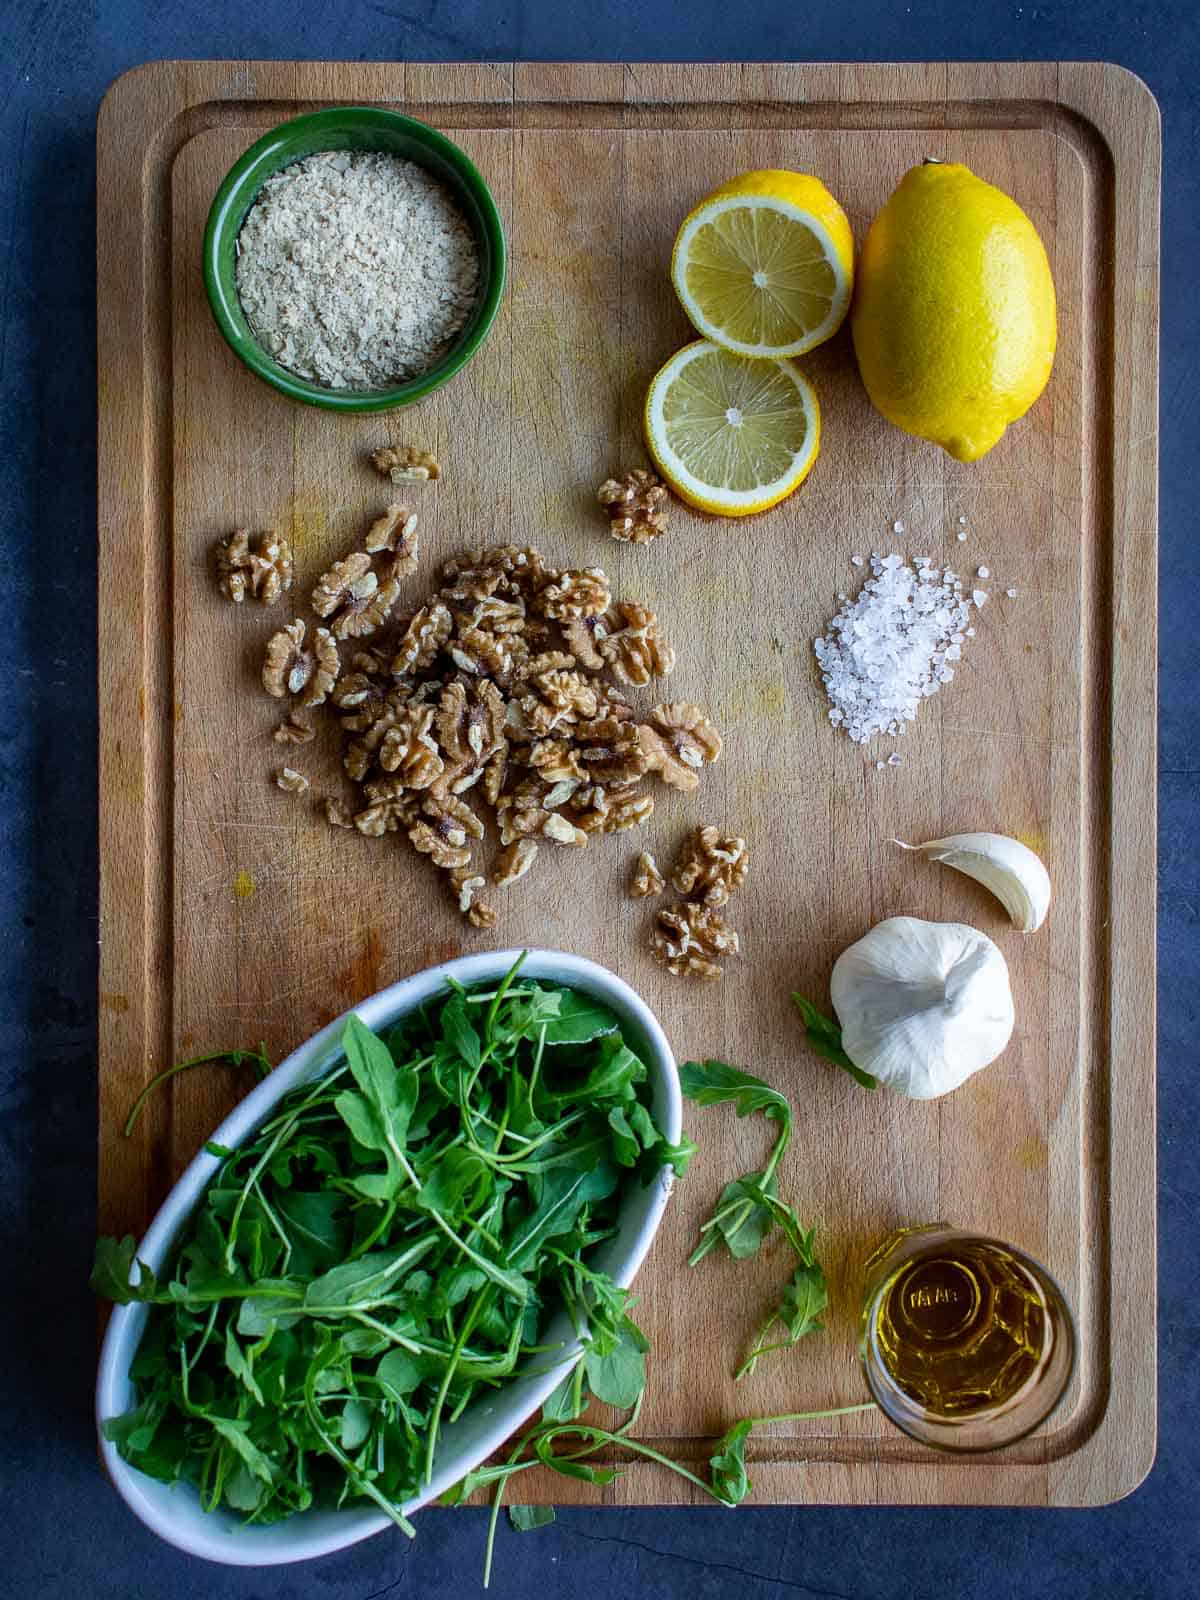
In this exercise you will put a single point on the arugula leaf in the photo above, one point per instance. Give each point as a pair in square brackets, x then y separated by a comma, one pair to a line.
[825, 1037]
[750, 1208]
[237, 1434]
[804, 1298]
[614, 1076]
[618, 1374]
[525, 1518]
[233, 1058]
[365, 1280]
[580, 1019]
[569, 1400]
[730, 1480]
[626, 1145]
[315, 1226]
[458, 1182]
[110, 1274]
[676, 1156]
[741, 1219]
[459, 1033]
[564, 1193]
[712, 1083]
[235, 1360]
[378, 1117]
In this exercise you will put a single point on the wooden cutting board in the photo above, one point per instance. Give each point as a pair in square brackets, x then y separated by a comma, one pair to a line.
[231, 912]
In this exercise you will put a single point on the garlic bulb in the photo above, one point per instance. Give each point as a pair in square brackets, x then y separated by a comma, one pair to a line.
[1010, 869]
[922, 1005]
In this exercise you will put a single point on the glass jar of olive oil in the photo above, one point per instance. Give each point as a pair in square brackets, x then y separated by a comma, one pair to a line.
[966, 1343]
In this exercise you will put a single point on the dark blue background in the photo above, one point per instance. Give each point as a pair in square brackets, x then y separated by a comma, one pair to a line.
[62, 1530]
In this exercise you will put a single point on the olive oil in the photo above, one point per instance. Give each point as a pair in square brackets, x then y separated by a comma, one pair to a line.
[963, 1328]
[966, 1341]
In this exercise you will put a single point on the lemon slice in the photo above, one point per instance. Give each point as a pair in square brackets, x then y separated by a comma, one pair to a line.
[731, 434]
[765, 265]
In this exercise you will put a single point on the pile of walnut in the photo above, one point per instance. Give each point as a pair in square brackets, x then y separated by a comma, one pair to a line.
[687, 938]
[506, 687]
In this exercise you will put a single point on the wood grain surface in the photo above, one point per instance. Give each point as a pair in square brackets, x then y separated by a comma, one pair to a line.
[232, 913]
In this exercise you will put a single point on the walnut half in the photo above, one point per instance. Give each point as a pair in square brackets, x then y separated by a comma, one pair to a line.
[635, 647]
[687, 939]
[263, 570]
[710, 866]
[404, 463]
[396, 532]
[636, 504]
[352, 596]
[290, 668]
[679, 740]
[645, 878]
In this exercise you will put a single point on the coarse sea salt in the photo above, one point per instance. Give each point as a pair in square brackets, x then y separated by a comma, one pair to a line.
[891, 646]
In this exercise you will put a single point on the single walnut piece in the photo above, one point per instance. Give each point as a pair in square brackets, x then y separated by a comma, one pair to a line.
[404, 463]
[609, 751]
[289, 668]
[563, 831]
[584, 636]
[514, 862]
[264, 570]
[396, 532]
[291, 781]
[495, 614]
[409, 749]
[575, 594]
[637, 505]
[635, 647]
[445, 836]
[521, 812]
[495, 772]
[353, 596]
[469, 724]
[337, 813]
[710, 866]
[645, 879]
[565, 696]
[479, 653]
[465, 885]
[392, 806]
[548, 661]
[423, 639]
[231, 557]
[363, 699]
[687, 938]
[507, 568]
[679, 740]
[295, 729]
[612, 808]
[554, 760]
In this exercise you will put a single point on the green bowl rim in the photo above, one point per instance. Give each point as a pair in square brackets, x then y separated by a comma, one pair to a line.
[247, 348]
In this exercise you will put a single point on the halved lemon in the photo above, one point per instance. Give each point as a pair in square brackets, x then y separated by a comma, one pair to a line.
[765, 265]
[731, 434]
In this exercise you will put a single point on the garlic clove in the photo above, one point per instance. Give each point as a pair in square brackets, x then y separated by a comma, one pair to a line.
[922, 1005]
[1010, 869]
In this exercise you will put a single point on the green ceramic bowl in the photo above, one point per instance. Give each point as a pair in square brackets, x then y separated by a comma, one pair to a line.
[351, 128]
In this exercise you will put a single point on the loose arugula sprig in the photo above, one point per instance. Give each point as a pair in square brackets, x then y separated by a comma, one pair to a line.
[729, 1481]
[386, 1249]
[825, 1037]
[750, 1206]
[258, 1059]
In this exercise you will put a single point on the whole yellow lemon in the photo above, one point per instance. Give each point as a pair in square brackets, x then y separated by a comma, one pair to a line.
[954, 316]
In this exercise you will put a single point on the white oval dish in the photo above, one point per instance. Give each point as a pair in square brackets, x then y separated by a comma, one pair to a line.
[173, 1511]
